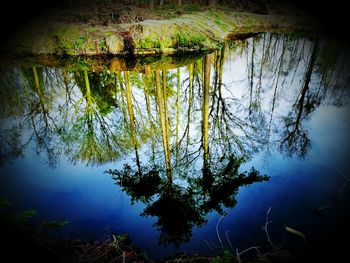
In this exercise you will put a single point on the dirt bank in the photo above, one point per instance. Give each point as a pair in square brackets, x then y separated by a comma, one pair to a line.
[197, 31]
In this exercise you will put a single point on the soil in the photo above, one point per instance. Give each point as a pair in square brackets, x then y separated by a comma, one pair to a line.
[114, 29]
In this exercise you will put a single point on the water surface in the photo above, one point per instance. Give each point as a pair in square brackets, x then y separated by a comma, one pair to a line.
[160, 149]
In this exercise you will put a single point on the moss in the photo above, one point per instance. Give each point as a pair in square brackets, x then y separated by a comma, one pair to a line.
[147, 42]
[69, 39]
[80, 42]
[150, 43]
[188, 32]
[102, 45]
[218, 21]
[166, 43]
[92, 29]
[108, 33]
[89, 45]
[189, 40]
[250, 21]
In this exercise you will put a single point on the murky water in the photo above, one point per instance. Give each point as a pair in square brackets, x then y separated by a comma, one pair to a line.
[162, 148]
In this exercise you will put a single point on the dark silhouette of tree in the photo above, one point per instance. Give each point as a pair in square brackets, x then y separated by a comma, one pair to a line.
[176, 213]
[140, 185]
[178, 209]
[13, 105]
[11, 146]
[218, 190]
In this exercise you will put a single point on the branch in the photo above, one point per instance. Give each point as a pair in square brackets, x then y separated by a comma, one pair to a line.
[217, 230]
[265, 229]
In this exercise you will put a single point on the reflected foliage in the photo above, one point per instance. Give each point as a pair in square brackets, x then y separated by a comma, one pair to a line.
[176, 213]
[10, 146]
[179, 135]
[177, 208]
[295, 138]
[218, 190]
[141, 187]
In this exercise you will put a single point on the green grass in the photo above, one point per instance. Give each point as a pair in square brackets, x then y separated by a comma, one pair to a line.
[102, 45]
[227, 257]
[148, 42]
[189, 40]
[218, 21]
[108, 33]
[80, 42]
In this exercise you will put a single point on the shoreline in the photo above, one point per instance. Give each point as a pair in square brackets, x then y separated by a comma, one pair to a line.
[195, 32]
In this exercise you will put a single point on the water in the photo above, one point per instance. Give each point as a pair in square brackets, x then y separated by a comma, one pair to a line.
[161, 148]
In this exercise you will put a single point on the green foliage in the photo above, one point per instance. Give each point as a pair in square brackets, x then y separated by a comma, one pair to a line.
[174, 10]
[140, 187]
[25, 215]
[66, 38]
[147, 42]
[218, 21]
[80, 41]
[177, 214]
[227, 257]
[122, 238]
[102, 45]
[54, 224]
[189, 40]
[108, 33]
[166, 43]
[191, 8]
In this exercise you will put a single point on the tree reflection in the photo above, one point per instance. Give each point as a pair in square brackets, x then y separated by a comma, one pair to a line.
[178, 209]
[33, 112]
[11, 146]
[178, 135]
[88, 133]
[295, 139]
[139, 186]
[176, 212]
[219, 190]
[181, 205]
[96, 117]
[13, 105]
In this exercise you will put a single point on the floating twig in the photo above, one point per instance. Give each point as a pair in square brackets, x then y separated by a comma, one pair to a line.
[295, 232]
[265, 227]
[228, 240]
[217, 230]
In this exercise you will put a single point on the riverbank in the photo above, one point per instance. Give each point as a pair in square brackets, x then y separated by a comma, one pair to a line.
[179, 32]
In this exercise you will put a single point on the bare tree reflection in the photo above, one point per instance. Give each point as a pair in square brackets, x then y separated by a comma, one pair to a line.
[295, 139]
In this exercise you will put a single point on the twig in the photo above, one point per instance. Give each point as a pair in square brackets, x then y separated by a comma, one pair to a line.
[212, 246]
[115, 259]
[237, 255]
[250, 248]
[346, 177]
[217, 230]
[265, 229]
[323, 207]
[228, 240]
[345, 184]
[188, 259]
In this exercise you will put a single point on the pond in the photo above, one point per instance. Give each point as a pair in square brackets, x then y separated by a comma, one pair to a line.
[184, 153]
